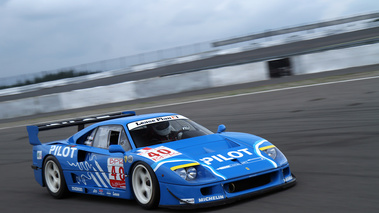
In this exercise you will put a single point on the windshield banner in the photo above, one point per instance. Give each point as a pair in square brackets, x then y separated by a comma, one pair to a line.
[136, 124]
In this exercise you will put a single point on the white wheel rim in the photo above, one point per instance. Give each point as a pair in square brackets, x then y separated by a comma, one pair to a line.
[52, 176]
[142, 184]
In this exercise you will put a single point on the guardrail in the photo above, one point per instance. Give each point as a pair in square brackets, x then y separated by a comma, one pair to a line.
[223, 76]
[271, 33]
[162, 63]
[132, 63]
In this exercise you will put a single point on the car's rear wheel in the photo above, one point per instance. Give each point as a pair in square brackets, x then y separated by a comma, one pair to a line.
[145, 186]
[54, 179]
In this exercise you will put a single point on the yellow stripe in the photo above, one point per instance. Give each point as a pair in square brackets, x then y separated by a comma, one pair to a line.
[266, 147]
[184, 165]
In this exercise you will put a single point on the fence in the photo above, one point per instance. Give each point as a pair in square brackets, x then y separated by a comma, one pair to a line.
[257, 40]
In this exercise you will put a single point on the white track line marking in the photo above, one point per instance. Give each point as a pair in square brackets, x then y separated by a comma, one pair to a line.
[233, 96]
[254, 93]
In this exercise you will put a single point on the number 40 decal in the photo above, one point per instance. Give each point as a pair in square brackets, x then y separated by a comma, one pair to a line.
[116, 173]
[159, 153]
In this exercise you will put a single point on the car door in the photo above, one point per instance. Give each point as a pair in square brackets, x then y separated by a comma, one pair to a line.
[105, 169]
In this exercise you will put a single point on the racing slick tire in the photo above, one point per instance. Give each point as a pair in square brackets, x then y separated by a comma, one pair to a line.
[145, 186]
[53, 178]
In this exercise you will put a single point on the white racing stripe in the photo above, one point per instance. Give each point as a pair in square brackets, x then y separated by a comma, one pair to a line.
[171, 161]
[101, 179]
[94, 179]
[188, 160]
[102, 172]
[258, 152]
[214, 172]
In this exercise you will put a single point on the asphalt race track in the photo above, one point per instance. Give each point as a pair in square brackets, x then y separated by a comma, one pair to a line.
[329, 134]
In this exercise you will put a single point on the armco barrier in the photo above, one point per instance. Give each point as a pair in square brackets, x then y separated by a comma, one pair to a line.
[97, 96]
[239, 74]
[188, 58]
[30, 106]
[172, 84]
[303, 64]
[336, 59]
[134, 90]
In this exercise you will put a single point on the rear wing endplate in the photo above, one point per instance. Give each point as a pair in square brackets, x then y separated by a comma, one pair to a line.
[33, 130]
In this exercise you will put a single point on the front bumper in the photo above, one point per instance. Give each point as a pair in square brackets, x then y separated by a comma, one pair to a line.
[220, 193]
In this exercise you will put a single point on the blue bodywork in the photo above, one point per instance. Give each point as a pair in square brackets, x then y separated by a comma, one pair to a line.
[226, 164]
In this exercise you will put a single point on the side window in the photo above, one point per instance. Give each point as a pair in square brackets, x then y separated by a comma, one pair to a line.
[110, 135]
[124, 142]
[90, 138]
[101, 137]
[113, 137]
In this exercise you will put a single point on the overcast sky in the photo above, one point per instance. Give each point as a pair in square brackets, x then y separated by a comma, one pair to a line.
[40, 35]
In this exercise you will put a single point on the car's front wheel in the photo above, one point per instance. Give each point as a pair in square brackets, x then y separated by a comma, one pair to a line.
[54, 179]
[145, 186]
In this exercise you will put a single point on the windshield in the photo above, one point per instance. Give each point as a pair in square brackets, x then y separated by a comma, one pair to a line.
[165, 129]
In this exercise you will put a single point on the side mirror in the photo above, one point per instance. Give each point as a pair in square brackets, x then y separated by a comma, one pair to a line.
[221, 128]
[116, 149]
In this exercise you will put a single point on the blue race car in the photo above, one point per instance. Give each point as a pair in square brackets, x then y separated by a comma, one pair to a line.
[161, 159]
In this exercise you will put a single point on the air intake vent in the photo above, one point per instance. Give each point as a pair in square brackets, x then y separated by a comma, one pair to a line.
[248, 183]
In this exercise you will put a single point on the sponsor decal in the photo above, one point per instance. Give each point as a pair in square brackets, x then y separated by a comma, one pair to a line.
[238, 164]
[187, 200]
[136, 124]
[77, 189]
[229, 156]
[116, 194]
[109, 193]
[130, 159]
[116, 173]
[228, 166]
[158, 154]
[39, 155]
[211, 198]
[67, 151]
[286, 179]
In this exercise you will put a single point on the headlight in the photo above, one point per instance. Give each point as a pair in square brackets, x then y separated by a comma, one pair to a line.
[182, 173]
[271, 152]
[275, 154]
[189, 173]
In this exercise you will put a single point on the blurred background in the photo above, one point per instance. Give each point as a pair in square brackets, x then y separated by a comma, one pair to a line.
[47, 47]
[302, 74]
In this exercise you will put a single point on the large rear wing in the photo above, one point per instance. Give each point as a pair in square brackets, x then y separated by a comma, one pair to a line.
[33, 130]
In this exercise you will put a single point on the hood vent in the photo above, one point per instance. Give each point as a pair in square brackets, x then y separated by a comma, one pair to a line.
[206, 145]
[220, 145]
[231, 143]
[207, 150]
